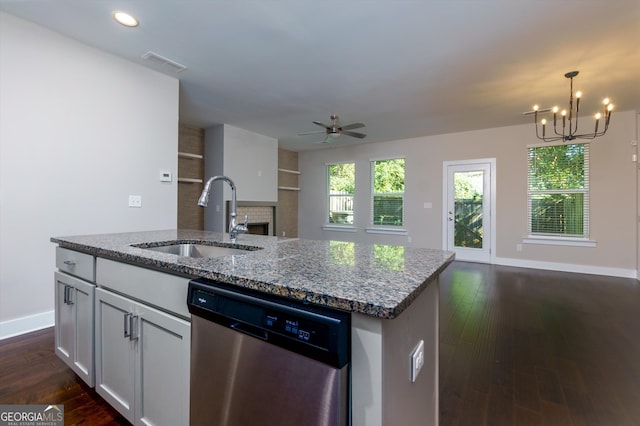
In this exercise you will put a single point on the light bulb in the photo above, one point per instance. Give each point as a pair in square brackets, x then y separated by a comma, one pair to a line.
[535, 107]
[543, 121]
[125, 19]
[564, 112]
[610, 107]
[555, 109]
[578, 94]
[598, 115]
[605, 101]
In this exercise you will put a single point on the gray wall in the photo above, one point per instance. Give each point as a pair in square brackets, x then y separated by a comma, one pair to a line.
[249, 159]
[613, 194]
[80, 131]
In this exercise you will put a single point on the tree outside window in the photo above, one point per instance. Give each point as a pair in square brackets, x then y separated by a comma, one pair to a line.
[341, 184]
[559, 190]
[388, 192]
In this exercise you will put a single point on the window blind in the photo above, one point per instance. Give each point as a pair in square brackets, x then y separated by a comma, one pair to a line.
[558, 190]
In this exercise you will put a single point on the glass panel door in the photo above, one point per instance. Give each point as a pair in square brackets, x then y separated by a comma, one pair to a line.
[468, 212]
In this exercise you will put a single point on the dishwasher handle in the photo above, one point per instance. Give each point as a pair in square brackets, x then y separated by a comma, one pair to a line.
[250, 330]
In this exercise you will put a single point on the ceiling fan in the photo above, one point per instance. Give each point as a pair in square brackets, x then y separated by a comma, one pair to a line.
[335, 129]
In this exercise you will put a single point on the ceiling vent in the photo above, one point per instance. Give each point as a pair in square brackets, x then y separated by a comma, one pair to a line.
[163, 63]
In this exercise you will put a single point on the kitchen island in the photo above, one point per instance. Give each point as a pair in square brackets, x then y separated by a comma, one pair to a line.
[391, 292]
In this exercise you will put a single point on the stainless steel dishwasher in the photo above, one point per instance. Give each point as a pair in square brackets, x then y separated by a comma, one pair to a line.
[265, 360]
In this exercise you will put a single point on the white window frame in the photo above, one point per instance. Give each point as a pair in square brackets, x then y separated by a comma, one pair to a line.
[557, 239]
[386, 229]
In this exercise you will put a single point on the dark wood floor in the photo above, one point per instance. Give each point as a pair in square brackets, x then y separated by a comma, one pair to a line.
[530, 347]
[31, 373]
[518, 347]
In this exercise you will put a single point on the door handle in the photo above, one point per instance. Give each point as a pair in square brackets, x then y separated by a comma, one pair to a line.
[127, 325]
[69, 295]
[250, 330]
[133, 327]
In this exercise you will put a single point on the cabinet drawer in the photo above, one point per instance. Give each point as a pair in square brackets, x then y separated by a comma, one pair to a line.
[165, 291]
[75, 263]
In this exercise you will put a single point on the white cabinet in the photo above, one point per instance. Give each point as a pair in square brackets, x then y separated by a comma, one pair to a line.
[74, 303]
[142, 360]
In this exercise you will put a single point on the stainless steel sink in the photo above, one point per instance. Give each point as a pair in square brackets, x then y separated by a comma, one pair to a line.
[199, 250]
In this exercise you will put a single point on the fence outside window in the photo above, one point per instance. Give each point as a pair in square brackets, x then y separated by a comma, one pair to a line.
[340, 207]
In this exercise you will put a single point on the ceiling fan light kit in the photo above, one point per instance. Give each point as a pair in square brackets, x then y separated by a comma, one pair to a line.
[335, 129]
[569, 129]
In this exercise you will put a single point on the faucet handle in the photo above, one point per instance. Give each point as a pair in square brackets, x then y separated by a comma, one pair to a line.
[246, 220]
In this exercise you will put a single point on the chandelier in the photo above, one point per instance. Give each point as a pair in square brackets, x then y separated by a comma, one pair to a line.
[565, 127]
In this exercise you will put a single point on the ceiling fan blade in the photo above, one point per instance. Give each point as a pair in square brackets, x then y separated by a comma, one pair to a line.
[355, 134]
[320, 124]
[353, 126]
[312, 133]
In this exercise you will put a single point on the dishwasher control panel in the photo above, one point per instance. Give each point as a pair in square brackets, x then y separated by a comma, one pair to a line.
[311, 332]
[280, 321]
[316, 331]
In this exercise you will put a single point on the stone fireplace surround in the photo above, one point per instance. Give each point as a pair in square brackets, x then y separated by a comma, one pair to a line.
[259, 212]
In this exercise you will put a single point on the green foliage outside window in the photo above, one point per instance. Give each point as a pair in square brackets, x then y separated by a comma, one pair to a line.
[559, 190]
[342, 187]
[342, 178]
[388, 192]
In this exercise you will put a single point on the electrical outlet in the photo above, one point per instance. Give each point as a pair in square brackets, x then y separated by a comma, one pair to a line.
[417, 360]
[135, 200]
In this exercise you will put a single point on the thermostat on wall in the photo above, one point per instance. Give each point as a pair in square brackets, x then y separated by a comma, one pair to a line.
[165, 176]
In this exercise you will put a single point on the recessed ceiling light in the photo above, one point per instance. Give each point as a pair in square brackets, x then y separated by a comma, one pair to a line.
[125, 19]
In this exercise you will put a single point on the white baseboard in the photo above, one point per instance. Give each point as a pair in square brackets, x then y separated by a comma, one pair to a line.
[24, 325]
[568, 267]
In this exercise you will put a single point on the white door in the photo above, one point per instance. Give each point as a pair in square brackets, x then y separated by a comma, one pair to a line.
[469, 194]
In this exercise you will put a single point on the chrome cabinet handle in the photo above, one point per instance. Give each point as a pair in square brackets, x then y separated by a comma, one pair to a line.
[67, 295]
[133, 327]
[69, 263]
[127, 325]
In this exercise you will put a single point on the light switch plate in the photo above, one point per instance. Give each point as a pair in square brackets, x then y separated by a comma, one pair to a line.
[135, 200]
[417, 360]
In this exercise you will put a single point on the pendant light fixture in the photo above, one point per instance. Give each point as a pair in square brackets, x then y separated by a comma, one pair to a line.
[565, 123]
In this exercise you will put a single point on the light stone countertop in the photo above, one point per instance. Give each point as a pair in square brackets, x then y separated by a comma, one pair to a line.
[375, 280]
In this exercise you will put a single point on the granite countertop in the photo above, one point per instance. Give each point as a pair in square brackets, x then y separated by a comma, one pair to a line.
[375, 280]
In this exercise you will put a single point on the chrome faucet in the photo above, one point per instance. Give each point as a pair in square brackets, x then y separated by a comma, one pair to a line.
[234, 229]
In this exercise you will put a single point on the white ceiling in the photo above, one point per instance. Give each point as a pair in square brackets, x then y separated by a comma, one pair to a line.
[404, 68]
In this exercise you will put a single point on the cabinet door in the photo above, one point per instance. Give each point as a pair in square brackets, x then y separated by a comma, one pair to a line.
[74, 324]
[82, 298]
[64, 320]
[162, 369]
[115, 352]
